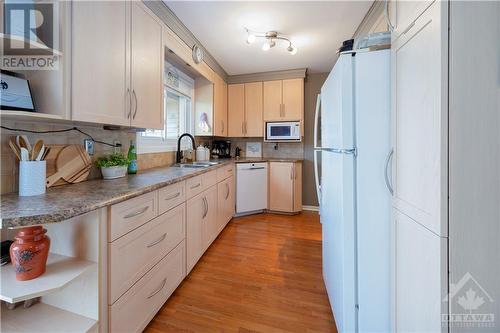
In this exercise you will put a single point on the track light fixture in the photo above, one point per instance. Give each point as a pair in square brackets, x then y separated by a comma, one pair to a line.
[271, 37]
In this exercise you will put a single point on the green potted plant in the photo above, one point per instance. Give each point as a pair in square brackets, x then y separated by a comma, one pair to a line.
[113, 165]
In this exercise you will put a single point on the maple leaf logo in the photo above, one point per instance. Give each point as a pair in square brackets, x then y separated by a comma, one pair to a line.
[470, 301]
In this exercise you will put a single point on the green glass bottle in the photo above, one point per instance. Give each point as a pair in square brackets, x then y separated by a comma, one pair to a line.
[132, 156]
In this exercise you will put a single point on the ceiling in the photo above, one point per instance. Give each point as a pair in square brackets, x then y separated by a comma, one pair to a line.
[316, 28]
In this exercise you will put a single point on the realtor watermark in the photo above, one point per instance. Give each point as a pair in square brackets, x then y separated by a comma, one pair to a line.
[30, 36]
[470, 305]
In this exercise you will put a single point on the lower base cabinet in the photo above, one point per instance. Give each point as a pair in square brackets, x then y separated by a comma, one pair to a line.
[285, 187]
[226, 199]
[135, 309]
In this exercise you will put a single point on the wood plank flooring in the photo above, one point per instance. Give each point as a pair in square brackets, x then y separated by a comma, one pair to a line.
[262, 274]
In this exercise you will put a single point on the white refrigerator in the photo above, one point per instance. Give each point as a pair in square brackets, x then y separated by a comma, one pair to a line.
[354, 191]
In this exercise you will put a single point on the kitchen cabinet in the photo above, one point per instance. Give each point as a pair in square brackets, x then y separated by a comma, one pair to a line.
[236, 110]
[226, 202]
[254, 124]
[125, 85]
[420, 131]
[404, 13]
[284, 100]
[421, 266]
[285, 187]
[210, 223]
[245, 110]
[220, 107]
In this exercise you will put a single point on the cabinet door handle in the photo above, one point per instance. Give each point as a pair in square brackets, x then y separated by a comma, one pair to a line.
[158, 241]
[409, 28]
[291, 173]
[227, 187]
[243, 127]
[138, 212]
[129, 103]
[222, 122]
[388, 181]
[205, 207]
[159, 288]
[173, 196]
[135, 98]
[284, 110]
[195, 186]
[386, 13]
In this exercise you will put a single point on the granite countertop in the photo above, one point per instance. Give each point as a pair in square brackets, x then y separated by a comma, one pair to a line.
[64, 202]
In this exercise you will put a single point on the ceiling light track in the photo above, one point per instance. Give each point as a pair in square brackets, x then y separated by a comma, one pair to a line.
[270, 40]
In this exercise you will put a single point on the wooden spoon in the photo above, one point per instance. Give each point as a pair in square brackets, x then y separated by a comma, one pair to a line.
[36, 150]
[15, 148]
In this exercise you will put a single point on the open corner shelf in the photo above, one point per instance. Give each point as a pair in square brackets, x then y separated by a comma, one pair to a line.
[26, 115]
[42, 317]
[61, 270]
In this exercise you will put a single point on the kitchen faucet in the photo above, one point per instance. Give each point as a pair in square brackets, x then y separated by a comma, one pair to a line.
[179, 153]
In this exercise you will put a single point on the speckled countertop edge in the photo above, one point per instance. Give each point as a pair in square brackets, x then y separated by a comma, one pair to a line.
[64, 202]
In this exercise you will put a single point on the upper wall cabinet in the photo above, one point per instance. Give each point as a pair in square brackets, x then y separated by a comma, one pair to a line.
[220, 107]
[404, 14]
[245, 110]
[117, 64]
[284, 100]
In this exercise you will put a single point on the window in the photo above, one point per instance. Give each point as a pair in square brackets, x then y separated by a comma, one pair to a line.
[178, 92]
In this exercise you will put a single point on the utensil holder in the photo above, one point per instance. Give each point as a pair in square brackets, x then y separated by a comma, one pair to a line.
[32, 177]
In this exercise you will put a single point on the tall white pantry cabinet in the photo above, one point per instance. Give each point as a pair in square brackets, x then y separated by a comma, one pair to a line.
[445, 166]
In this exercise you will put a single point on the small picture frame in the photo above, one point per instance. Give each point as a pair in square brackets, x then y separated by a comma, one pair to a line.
[254, 149]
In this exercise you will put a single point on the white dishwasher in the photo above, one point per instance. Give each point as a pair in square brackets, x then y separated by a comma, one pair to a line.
[251, 188]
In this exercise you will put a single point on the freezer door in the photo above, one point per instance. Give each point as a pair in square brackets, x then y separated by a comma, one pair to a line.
[337, 217]
[337, 120]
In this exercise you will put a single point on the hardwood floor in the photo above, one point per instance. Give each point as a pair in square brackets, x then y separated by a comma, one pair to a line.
[262, 274]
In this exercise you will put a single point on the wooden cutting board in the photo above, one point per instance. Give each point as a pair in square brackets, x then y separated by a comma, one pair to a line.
[67, 164]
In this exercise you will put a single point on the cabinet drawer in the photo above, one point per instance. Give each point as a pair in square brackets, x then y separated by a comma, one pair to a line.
[171, 196]
[225, 172]
[130, 214]
[133, 311]
[134, 254]
[209, 179]
[193, 186]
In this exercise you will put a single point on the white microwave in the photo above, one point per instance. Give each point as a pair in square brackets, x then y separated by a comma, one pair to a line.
[283, 131]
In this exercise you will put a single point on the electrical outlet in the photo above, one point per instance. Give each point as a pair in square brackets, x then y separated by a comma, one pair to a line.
[118, 146]
[89, 146]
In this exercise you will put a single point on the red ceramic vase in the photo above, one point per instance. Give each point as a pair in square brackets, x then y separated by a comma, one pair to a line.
[29, 253]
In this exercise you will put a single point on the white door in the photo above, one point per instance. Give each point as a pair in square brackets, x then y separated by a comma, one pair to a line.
[421, 281]
[419, 65]
[337, 217]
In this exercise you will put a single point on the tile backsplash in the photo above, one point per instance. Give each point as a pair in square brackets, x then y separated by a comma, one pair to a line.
[269, 149]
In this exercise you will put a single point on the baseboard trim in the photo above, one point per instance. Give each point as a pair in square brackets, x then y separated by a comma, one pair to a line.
[311, 208]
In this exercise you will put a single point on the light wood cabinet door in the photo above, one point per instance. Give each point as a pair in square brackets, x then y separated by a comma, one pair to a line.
[281, 186]
[210, 225]
[236, 109]
[297, 187]
[195, 215]
[220, 106]
[226, 197]
[100, 38]
[420, 129]
[272, 100]
[293, 99]
[146, 68]
[254, 124]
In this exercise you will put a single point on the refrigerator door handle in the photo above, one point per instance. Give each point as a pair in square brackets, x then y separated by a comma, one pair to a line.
[388, 179]
[316, 121]
[352, 151]
[316, 176]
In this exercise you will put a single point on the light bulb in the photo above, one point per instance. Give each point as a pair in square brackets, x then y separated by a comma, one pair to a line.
[266, 46]
[292, 50]
[250, 38]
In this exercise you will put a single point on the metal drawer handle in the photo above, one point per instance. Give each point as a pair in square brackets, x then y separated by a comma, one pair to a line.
[227, 187]
[195, 186]
[205, 206]
[159, 240]
[176, 195]
[138, 212]
[159, 289]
